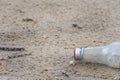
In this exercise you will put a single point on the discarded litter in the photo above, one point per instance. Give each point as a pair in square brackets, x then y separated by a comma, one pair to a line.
[108, 54]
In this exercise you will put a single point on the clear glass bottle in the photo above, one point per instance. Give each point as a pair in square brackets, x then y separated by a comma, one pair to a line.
[108, 54]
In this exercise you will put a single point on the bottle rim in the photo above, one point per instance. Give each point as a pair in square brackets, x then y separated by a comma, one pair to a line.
[78, 53]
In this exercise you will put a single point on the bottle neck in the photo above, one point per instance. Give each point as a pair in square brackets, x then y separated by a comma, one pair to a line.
[93, 54]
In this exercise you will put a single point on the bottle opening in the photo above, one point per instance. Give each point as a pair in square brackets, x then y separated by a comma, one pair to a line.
[78, 53]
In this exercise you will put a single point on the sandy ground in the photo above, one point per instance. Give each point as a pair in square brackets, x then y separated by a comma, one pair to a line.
[49, 30]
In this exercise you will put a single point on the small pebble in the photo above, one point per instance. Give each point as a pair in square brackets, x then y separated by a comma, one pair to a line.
[116, 78]
[45, 36]
[72, 63]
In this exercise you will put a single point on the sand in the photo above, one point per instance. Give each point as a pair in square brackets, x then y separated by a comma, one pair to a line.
[49, 30]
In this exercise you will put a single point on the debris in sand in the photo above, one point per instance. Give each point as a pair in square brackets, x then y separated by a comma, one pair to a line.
[27, 20]
[11, 49]
[65, 74]
[17, 56]
[76, 26]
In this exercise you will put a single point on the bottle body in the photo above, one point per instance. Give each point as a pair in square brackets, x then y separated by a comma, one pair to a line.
[109, 54]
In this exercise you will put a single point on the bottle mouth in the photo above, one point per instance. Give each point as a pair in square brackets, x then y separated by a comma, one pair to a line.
[78, 53]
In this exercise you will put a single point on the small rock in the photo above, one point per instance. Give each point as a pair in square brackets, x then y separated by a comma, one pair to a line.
[74, 25]
[45, 36]
[45, 69]
[72, 63]
[65, 74]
